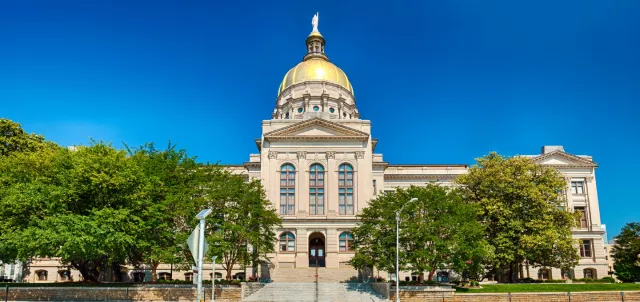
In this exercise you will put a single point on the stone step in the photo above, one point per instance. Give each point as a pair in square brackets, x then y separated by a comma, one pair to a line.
[330, 275]
[321, 292]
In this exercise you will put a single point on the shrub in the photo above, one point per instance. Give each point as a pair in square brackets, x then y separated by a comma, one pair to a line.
[608, 280]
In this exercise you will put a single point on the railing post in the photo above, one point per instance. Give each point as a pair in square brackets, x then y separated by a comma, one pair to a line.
[622, 296]
[509, 297]
[569, 295]
[6, 293]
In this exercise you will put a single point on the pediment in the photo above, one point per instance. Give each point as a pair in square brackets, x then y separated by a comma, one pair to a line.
[560, 158]
[316, 129]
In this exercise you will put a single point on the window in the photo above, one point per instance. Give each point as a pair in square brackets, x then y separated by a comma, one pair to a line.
[316, 108]
[567, 273]
[164, 276]
[42, 275]
[188, 276]
[345, 189]
[64, 275]
[286, 116]
[375, 190]
[332, 110]
[577, 187]
[585, 249]
[581, 221]
[287, 189]
[138, 277]
[287, 242]
[300, 110]
[544, 274]
[316, 190]
[218, 276]
[346, 242]
[590, 273]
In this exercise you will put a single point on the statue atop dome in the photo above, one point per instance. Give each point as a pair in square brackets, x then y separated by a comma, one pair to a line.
[314, 22]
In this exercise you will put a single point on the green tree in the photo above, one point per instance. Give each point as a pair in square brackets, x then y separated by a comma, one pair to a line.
[440, 230]
[170, 177]
[14, 139]
[524, 212]
[242, 217]
[79, 205]
[626, 253]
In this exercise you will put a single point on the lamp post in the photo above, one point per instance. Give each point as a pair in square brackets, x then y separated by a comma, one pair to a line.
[202, 215]
[398, 248]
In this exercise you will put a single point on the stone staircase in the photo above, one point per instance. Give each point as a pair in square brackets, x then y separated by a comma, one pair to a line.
[325, 275]
[317, 292]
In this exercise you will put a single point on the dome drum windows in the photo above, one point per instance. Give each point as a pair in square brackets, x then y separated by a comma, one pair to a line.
[287, 242]
[345, 189]
[316, 190]
[287, 189]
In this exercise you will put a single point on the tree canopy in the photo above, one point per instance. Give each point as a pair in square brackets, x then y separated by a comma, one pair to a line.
[439, 230]
[98, 207]
[626, 252]
[524, 212]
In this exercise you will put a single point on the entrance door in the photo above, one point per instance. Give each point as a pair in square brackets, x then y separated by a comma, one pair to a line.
[316, 252]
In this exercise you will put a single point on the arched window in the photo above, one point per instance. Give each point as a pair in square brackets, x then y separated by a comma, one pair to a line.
[345, 189]
[567, 273]
[590, 273]
[287, 242]
[346, 242]
[316, 190]
[138, 277]
[42, 275]
[544, 274]
[188, 276]
[65, 275]
[287, 189]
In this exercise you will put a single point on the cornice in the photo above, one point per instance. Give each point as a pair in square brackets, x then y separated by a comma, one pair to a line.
[419, 176]
[580, 162]
[258, 144]
[383, 164]
[286, 132]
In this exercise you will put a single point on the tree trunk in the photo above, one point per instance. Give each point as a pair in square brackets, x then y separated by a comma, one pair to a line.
[84, 270]
[431, 273]
[117, 274]
[229, 272]
[154, 269]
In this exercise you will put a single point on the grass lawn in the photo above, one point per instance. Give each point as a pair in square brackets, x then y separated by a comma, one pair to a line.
[514, 288]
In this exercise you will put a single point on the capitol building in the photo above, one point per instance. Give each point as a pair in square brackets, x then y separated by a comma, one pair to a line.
[317, 161]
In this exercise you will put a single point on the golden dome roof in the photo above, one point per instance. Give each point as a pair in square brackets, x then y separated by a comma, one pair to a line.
[315, 69]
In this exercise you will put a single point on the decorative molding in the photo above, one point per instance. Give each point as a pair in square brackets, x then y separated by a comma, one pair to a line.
[302, 154]
[359, 154]
[420, 176]
[579, 162]
[590, 179]
[272, 155]
[331, 154]
[289, 132]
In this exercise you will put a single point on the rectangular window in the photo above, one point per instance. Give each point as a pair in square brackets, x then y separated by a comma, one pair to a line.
[577, 187]
[585, 249]
[582, 221]
[375, 190]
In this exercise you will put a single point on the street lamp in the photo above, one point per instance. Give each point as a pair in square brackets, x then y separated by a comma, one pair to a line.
[202, 215]
[398, 248]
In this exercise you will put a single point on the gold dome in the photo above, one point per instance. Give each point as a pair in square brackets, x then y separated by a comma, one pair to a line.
[315, 69]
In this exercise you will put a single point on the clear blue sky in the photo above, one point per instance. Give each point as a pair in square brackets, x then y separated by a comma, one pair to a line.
[460, 78]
